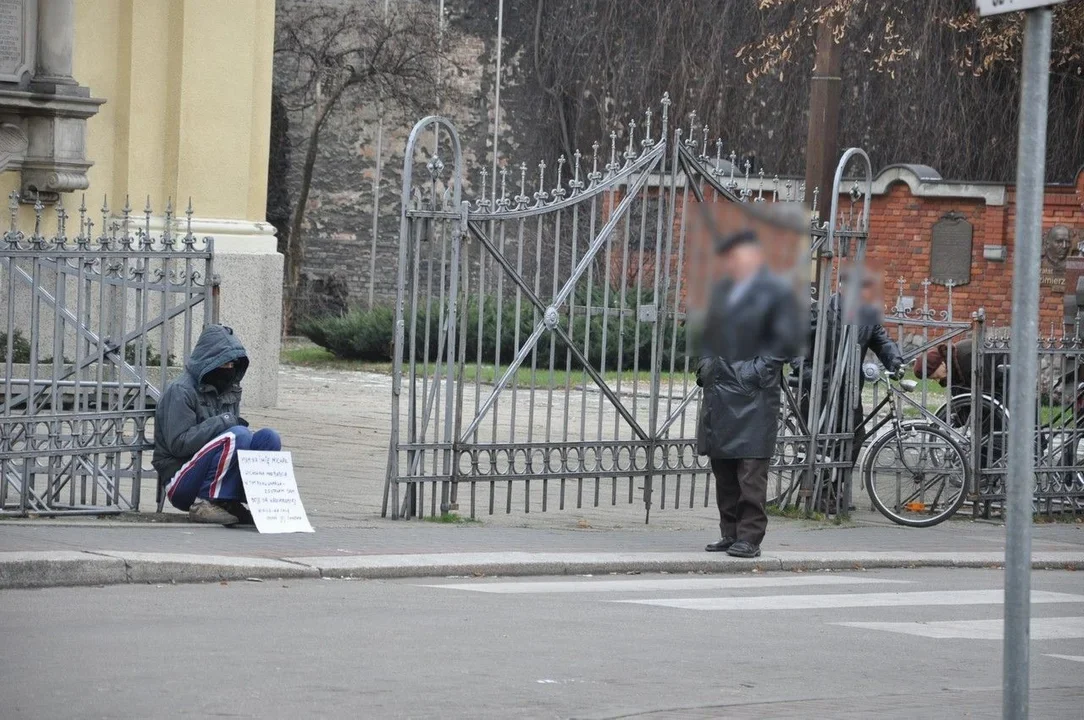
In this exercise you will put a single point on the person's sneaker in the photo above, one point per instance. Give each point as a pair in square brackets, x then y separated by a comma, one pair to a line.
[743, 549]
[206, 511]
[721, 545]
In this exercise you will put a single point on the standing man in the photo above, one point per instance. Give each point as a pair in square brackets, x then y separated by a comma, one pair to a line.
[198, 431]
[751, 327]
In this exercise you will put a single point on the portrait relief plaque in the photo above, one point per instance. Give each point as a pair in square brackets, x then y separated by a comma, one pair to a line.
[950, 250]
[14, 48]
[1057, 246]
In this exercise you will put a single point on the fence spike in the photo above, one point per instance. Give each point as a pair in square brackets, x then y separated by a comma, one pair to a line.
[665, 114]
[630, 153]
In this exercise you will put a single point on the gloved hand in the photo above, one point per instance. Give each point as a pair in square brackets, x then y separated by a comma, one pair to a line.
[898, 372]
[242, 421]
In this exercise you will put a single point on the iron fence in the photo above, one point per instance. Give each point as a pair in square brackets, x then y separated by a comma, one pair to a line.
[541, 360]
[96, 324]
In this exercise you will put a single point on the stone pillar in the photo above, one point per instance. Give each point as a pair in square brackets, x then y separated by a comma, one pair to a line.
[56, 30]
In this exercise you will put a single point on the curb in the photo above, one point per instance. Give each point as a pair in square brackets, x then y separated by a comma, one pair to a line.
[103, 567]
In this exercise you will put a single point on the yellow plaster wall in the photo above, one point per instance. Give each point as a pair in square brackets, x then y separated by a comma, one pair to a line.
[187, 85]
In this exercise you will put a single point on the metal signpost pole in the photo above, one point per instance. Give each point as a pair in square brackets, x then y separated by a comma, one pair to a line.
[1024, 361]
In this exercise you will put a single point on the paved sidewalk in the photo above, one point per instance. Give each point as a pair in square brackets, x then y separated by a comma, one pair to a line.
[336, 424]
[385, 537]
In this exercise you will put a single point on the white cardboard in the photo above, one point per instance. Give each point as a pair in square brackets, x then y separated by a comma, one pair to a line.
[996, 7]
[271, 490]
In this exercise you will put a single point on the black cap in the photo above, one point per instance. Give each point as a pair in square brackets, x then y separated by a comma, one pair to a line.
[726, 243]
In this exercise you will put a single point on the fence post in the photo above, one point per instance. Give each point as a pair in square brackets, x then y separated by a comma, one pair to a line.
[978, 347]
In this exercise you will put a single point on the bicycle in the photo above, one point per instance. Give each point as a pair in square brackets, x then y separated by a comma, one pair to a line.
[1059, 440]
[916, 472]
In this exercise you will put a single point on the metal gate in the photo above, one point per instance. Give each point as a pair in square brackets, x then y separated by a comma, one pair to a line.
[540, 354]
[96, 324]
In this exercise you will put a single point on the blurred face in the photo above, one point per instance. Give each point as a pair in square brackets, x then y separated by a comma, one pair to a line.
[742, 261]
[870, 292]
[940, 373]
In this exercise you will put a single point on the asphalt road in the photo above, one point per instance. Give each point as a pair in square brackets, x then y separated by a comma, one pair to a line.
[890, 644]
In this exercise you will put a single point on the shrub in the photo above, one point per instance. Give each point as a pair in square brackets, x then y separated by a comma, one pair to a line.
[357, 335]
[20, 348]
[369, 334]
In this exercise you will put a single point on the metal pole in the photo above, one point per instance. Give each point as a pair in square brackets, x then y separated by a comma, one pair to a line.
[1024, 360]
[497, 100]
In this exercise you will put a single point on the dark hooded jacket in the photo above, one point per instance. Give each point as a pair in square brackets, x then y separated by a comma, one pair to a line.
[870, 337]
[192, 411]
[744, 347]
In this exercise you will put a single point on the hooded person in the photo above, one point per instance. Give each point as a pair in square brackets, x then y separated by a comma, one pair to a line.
[198, 431]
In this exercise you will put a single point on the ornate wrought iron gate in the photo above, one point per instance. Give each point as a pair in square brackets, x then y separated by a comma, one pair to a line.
[540, 353]
[95, 326]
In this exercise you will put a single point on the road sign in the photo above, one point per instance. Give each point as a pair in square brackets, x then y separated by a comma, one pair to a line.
[997, 7]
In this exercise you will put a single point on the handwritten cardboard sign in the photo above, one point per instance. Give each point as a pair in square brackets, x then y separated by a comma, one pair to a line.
[272, 493]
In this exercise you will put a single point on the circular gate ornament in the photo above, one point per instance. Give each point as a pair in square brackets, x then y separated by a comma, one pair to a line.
[551, 317]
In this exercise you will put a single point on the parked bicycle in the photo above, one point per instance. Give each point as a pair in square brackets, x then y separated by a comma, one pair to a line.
[916, 471]
[1059, 439]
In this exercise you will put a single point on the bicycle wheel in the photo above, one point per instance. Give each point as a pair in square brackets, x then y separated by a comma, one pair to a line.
[917, 475]
[788, 463]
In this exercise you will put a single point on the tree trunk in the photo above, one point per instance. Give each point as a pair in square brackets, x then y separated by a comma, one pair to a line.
[295, 243]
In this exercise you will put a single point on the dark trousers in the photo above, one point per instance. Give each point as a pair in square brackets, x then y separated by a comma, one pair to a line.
[741, 489]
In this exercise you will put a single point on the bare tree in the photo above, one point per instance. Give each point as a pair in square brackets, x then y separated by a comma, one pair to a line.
[332, 55]
[934, 86]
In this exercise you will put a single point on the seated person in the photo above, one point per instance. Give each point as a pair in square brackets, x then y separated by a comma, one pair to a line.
[934, 365]
[198, 431]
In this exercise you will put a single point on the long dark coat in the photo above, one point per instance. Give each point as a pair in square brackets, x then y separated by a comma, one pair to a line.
[744, 347]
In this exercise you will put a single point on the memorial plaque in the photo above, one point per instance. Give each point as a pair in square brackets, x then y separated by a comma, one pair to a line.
[950, 250]
[14, 49]
[1074, 270]
[1057, 244]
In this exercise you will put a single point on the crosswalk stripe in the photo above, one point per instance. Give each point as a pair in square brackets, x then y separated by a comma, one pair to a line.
[1074, 658]
[713, 583]
[841, 600]
[1046, 628]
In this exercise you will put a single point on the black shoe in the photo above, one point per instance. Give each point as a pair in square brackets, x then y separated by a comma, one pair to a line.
[721, 545]
[744, 549]
[238, 510]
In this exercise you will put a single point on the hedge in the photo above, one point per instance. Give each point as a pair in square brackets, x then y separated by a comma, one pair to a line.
[369, 334]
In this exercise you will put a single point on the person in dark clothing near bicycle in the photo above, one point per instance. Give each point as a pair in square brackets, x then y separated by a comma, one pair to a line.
[955, 369]
[872, 336]
[937, 365]
[752, 326]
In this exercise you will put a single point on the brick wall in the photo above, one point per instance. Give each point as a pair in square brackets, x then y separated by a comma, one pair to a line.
[901, 224]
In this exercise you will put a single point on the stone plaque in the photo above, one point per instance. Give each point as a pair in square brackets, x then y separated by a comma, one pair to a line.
[1074, 270]
[14, 48]
[1057, 244]
[950, 250]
